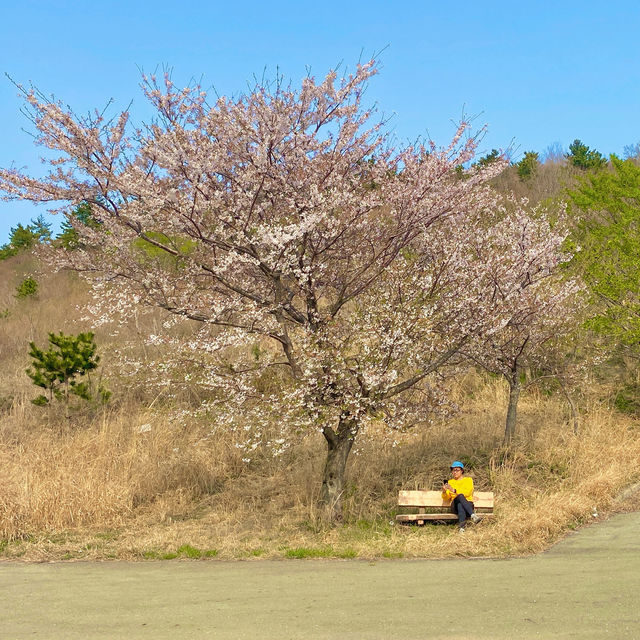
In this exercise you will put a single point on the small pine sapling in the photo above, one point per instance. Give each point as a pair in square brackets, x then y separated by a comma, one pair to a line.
[57, 370]
[27, 288]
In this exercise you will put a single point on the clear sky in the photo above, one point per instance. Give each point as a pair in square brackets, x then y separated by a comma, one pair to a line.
[537, 73]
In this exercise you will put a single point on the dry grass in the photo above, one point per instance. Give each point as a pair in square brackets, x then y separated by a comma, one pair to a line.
[103, 485]
[106, 489]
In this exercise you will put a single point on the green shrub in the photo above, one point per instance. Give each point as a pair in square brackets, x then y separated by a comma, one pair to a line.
[57, 370]
[27, 288]
[627, 400]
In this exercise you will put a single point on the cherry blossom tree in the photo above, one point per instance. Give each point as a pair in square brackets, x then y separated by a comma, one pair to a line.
[307, 248]
[535, 312]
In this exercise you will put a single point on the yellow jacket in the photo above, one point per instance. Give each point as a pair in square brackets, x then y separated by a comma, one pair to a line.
[462, 486]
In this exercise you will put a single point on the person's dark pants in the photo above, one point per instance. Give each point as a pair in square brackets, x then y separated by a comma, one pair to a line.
[463, 508]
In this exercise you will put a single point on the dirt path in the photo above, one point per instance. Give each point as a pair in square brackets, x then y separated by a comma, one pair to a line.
[586, 587]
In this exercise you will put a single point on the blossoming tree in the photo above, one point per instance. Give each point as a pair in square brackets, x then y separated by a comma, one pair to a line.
[535, 311]
[288, 227]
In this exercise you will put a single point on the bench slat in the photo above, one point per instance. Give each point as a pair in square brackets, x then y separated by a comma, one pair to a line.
[411, 517]
[481, 499]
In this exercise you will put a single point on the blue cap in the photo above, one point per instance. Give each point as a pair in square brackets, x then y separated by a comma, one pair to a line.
[458, 464]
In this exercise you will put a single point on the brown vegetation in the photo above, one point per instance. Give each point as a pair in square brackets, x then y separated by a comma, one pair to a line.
[130, 480]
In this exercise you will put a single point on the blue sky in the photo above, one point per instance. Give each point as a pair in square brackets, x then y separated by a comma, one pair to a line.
[537, 73]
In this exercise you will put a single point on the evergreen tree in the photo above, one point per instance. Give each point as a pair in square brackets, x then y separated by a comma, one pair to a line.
[489, 158]
[57, 370]
[27, 288]
[528, 166]
[69, 237]
[26, 237]
[41, 229]
[582, 157]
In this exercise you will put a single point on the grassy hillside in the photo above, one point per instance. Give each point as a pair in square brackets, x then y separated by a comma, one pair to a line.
[133, 479]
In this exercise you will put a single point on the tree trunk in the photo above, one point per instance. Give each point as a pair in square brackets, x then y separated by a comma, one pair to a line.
[512, 410]
[572, 408]
[339, 445]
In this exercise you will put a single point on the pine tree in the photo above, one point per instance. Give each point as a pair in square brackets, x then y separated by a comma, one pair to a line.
[57, 370]
[69, 237]
[528, 166]
[26, 237]
[582, 157]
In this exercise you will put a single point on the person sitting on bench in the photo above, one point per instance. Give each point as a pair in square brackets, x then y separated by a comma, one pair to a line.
[460, 491]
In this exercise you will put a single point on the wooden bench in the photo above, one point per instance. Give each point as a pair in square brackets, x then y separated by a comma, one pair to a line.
[431, 506]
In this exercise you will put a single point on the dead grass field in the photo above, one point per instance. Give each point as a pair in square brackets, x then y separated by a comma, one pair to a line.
[129, 481]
